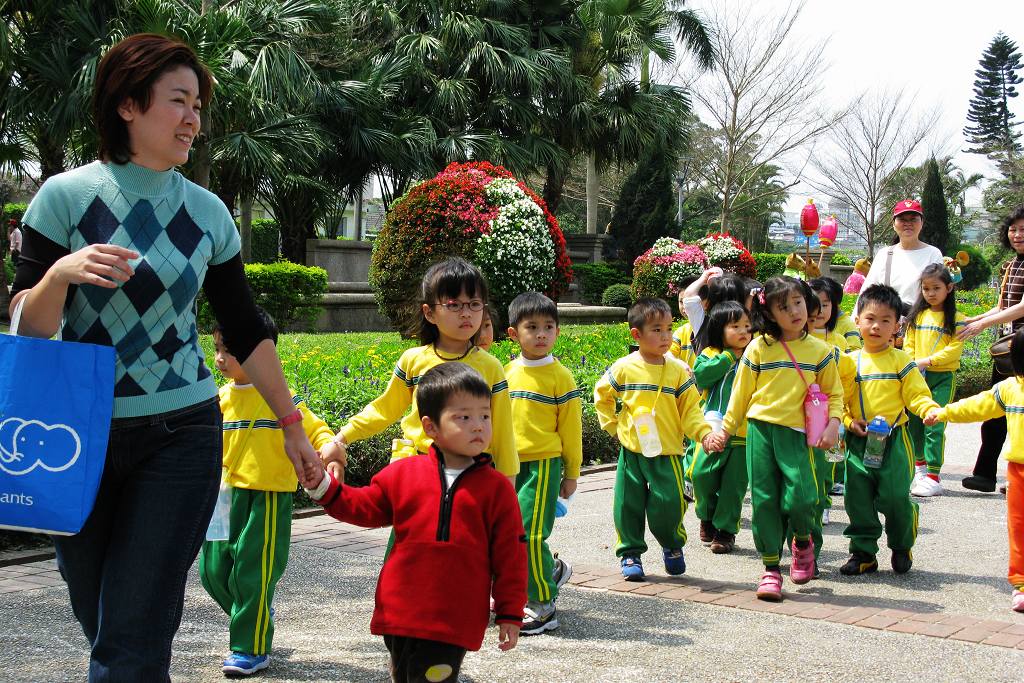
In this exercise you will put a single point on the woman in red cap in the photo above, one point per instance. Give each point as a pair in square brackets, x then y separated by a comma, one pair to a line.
[900, 264]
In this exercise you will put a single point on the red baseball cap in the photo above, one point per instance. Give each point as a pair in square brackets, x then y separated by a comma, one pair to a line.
[907, 206]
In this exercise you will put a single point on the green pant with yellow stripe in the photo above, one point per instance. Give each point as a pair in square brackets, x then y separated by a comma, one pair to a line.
[783, 487]
[930, 442]
[537, 485]
[650, 488]
[886, 491]
[242, 572]
[719, 485]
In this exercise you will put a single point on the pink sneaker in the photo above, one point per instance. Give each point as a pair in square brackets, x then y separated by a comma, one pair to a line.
[770, 588]
[1018, 600]
[801, 569]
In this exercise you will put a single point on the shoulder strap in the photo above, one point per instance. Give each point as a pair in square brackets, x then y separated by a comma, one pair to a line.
[1002, 286]
[888, 265]
[795, 364]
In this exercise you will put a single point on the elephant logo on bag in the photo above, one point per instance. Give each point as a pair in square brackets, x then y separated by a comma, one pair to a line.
[28, 444]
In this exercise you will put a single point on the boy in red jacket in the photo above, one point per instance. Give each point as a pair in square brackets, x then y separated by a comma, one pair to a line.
[456, 519]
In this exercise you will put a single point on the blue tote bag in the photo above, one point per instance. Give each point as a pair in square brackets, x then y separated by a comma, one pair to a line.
[56, 402]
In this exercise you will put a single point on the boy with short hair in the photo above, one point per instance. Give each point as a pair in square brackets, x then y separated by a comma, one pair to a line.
[547, 416]
[888, 383]
[661, 405]
[241, 573]
[457, 528]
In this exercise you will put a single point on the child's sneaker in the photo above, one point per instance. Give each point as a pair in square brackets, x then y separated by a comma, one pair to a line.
[675, 563]
[561, 573]
[902, 561]
[859, 563]
[244, 664]
[540, 617]
[770, 588]
[838, 489]
[1017, 604]
[707, 532]
[926, 487]
[825, 517]
[688, 491]
[724, 542]
[801, 569]
[632, 568]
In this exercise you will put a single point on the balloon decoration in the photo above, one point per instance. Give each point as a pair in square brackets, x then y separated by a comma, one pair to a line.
[827, 235]
[809, 223]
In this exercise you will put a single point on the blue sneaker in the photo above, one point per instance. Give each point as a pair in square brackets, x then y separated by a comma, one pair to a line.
[244, 664]
[675, 563]
[632, 569]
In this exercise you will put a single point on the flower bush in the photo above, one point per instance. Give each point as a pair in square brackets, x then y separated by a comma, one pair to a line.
[660, 270]
[477, 211]
[728, 253]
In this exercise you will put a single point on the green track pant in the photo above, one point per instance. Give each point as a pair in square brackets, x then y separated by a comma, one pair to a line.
[930, 442]
[719, 485]
[537, 485]
[242, 572]
[886, 491]
[823, 473]
[650, 488]
[689, 454]
[783, 486]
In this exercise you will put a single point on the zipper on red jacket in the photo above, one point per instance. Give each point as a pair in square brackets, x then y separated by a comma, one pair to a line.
[444, 520]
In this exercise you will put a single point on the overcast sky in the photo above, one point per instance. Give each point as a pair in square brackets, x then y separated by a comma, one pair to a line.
[929, 48]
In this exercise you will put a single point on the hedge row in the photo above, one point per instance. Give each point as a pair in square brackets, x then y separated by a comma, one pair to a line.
[290, 293]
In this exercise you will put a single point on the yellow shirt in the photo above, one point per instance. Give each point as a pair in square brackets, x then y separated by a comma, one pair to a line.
[400, 395]
[846, 327]
[927, 338]
[254, 454]
[847, 368]
[769, 388]
[890, 384]
[547, 413]
[1005, 398]
[835, 338]
[682, 344]
[666, 388]
[714, 373]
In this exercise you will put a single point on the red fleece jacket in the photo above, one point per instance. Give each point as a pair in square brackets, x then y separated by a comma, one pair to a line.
[454, 548]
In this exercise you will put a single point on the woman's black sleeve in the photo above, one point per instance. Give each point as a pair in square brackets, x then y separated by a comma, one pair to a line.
[38, 254]
[228, 292]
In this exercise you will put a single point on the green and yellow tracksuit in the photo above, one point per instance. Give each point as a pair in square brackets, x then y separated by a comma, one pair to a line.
[649, 487]
[719, 479]
[927, 338]
[547, 416]
[242, 573]
[682, 348]
[846, 328]
[769, 392]
[888, 385]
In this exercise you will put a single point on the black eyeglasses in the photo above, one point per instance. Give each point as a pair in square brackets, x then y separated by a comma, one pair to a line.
[459, 306]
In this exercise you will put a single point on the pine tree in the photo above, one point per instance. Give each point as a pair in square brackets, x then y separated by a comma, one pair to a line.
[936, 215]
[992, 131]
[645, 209]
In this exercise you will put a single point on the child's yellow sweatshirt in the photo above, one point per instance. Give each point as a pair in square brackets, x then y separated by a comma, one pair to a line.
[547, 413]
[682, 344]
[769, 388]
[400, 395]
[254, 454]
[847, 368]
[835, 338]
[666, 388]
[1005, 398]
[846, 327]
[927, 338]
[890, 384]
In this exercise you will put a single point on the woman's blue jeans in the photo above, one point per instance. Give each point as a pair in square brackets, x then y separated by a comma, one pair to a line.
[126, 569]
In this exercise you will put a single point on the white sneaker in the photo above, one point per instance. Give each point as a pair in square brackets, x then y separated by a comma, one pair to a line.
[920, 470]
[562, 572]
[926, 487]
[838, 489]
[825, 517]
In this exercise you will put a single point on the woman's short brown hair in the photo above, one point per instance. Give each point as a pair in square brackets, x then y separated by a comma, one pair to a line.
[128, 71]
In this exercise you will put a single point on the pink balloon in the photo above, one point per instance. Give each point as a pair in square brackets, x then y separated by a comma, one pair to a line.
[809, 219]
[828, 232]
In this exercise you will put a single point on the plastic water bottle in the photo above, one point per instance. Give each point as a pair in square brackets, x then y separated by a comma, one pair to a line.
[874, 449]
[815, 414]
[220, 523]
[837, 452]
[562, 505]
[647, 432]
[715, 419]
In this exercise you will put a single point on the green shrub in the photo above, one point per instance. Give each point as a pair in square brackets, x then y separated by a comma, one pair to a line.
[769, 265]
[266, 241]
[616, 295]
[9, 267]
[15, 211]
[290, 293]
[841, 259]
[976, 273]
[595, 278]
[973, 381]
[598, 445]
